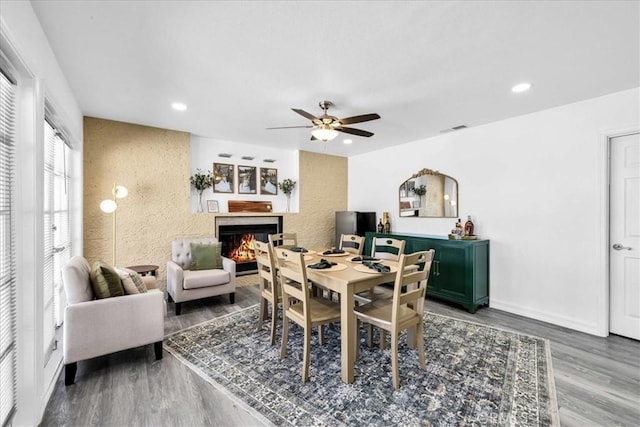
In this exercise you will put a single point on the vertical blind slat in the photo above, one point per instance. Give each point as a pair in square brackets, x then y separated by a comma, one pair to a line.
[8, 345]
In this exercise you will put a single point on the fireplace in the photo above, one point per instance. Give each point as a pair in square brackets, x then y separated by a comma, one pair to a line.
[237, 234]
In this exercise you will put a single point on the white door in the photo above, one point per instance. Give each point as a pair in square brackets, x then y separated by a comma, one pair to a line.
[624, 236]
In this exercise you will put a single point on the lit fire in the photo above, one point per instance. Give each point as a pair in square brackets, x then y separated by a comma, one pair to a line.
[244, 251]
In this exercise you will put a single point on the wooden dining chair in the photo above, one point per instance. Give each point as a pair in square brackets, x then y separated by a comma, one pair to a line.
[299, 306]
[387, 248]
[285, 240]
[269, 285]
[352, 243]
[382, 248]
[405, 310]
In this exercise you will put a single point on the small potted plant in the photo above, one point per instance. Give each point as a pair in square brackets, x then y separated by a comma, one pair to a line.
[201, 181]
[420, 191]
[287, 186]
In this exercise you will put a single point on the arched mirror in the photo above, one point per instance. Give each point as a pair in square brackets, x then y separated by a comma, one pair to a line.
[429, 193]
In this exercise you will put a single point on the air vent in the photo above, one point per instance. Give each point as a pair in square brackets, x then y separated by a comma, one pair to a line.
[247, 158]
[227, 155]
[453, 129]
[269, 160]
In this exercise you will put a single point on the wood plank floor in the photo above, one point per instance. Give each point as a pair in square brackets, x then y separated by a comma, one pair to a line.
[597, 379]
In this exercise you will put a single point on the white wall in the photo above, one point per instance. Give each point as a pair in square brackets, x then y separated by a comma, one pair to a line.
[40, 79]
[204, 152]
[535, 186]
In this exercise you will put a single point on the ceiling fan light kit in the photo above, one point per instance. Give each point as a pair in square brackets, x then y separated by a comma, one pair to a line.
[324, 133]
[326, 127]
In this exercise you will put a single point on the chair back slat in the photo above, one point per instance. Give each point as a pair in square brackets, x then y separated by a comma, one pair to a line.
[411, 282]
[293, 275]
[266, 266]
[387, 248]
[352, 243]
[285, 240]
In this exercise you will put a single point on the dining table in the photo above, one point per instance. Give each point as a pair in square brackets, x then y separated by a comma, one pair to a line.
[347, 278]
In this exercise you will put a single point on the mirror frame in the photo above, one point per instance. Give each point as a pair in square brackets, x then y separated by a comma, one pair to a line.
[423, 172]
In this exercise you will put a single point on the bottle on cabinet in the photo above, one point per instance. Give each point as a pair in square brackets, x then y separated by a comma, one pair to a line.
[380, 226]
[469, 228]
[386, 224]
[458, 230]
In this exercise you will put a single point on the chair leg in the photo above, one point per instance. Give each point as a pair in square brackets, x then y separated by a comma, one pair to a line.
[274, 321]
[356, 350]
[70, 373]
[305, 357]
[157, 348]
[321, 334]
[262, 313]
[178, 308]
[369, 335]
[420, 344]
[383, 339]
[394, 360]
[285, 337]
[232, 298]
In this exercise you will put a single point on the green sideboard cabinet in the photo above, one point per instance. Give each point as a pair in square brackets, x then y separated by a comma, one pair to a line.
[460, 271]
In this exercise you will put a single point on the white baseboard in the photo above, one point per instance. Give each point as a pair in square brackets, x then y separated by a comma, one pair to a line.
[553, 318]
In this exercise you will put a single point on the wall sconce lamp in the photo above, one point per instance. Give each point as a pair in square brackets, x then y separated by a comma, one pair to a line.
[110, 206]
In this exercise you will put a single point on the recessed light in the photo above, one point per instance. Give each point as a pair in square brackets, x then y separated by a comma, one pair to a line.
[521, 87]
[347, 141]
[178, 106]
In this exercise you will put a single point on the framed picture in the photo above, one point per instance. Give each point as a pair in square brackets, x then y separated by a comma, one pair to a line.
[212, 206]
[247, 180]
[222, 178]
[269, 181]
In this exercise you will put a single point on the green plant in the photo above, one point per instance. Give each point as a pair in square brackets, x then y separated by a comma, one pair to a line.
[201, 181]
[420, 191]
[287, 186]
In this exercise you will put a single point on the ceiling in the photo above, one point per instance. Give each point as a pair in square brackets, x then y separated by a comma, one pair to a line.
[423, 66]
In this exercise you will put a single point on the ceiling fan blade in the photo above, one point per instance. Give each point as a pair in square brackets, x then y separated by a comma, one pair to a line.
[359, 119]
[353, 131]
[292, 127]
[305, 114]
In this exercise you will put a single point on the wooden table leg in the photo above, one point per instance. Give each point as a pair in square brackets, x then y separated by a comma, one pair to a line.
[347, 338]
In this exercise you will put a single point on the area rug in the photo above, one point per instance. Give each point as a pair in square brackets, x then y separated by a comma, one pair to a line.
[476, 375]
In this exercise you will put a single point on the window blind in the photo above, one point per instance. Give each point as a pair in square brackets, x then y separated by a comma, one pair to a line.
[7, 251]
[57, 237]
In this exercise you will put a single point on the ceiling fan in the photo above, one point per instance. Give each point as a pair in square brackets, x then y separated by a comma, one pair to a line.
[326, 127]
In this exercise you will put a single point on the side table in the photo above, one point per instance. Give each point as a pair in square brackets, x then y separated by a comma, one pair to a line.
[144, 270]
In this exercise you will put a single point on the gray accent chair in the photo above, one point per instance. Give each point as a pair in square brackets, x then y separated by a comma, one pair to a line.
[184, 284]
[95, 327]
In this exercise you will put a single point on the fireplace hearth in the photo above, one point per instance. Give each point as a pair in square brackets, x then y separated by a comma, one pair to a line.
[237, 235]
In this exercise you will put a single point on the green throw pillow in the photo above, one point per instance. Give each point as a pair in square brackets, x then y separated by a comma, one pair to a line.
[205, 256]
[105, 281]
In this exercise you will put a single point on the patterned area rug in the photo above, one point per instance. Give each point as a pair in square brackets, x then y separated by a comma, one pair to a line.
[476, 375]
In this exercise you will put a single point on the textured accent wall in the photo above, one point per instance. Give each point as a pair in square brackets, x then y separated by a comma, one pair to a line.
[154, 166]
[323, 191]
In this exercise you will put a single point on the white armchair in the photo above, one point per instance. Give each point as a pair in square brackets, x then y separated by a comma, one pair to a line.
[184, 284]
[95, 327]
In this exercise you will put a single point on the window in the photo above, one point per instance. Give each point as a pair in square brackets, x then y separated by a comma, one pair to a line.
[57, 237]
[7, 251]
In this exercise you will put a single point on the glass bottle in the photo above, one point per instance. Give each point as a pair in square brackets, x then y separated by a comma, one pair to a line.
[387, 226]
[469, 227]
[459, 231]
[380, 226]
